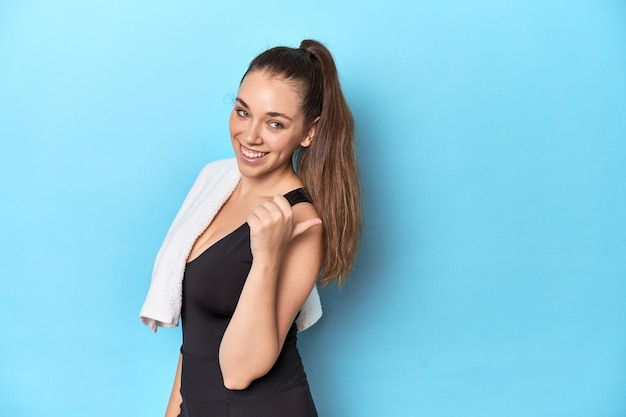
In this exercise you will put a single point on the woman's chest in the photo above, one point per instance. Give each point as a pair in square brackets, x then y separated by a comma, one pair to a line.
[213, 281]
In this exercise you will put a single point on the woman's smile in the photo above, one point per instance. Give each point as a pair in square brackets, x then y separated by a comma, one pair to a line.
[251, 155]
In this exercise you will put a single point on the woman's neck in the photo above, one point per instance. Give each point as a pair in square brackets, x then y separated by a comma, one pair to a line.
[269, 186]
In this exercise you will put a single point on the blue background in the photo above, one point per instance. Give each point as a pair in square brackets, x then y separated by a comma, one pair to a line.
[492, 141]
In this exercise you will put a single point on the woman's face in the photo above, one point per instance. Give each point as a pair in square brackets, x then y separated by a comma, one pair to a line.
[267, 125]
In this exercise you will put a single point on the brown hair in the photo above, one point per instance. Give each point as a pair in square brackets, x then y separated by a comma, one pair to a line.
[328, 167]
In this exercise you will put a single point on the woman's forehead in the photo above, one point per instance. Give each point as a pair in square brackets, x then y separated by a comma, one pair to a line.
[269, 93]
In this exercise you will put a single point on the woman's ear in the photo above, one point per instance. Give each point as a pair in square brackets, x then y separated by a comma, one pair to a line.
[310, 133]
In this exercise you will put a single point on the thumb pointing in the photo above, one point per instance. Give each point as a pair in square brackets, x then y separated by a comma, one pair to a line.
[304, 226]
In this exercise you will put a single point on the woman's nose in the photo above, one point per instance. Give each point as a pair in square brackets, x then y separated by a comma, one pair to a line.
[253, 133]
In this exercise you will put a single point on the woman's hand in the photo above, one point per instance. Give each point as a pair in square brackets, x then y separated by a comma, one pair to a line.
[272, 227]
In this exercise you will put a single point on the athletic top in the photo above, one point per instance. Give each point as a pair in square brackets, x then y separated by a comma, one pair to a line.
[212, 285]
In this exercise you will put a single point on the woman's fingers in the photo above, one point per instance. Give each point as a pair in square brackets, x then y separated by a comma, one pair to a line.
[271, 212]
[275, 217]
[283, 205]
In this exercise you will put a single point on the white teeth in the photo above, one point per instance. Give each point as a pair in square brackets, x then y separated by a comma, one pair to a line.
[252, 154]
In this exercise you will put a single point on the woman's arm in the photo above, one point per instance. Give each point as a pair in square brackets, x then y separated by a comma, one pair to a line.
[287, 251]
[173, 406]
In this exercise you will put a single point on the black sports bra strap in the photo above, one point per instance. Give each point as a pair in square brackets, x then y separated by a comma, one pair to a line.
[297, 196]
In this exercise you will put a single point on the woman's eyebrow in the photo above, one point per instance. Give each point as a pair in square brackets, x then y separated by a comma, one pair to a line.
[276, 114]
[243, 103]
[270, 113]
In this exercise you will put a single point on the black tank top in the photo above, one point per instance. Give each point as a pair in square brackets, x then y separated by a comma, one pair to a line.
[212, 285]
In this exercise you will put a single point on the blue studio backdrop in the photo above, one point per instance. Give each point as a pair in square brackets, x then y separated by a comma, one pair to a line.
[492, 142]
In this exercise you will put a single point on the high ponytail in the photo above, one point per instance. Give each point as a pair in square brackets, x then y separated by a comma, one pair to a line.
[328, 167]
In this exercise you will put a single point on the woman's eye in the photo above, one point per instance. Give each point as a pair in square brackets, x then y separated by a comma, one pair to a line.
[242, 113]
[276, 125]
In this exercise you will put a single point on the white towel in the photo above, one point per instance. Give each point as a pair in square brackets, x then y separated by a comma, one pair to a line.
[210, 191]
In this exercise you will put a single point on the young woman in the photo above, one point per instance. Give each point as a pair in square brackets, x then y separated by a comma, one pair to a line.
[254, 235]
